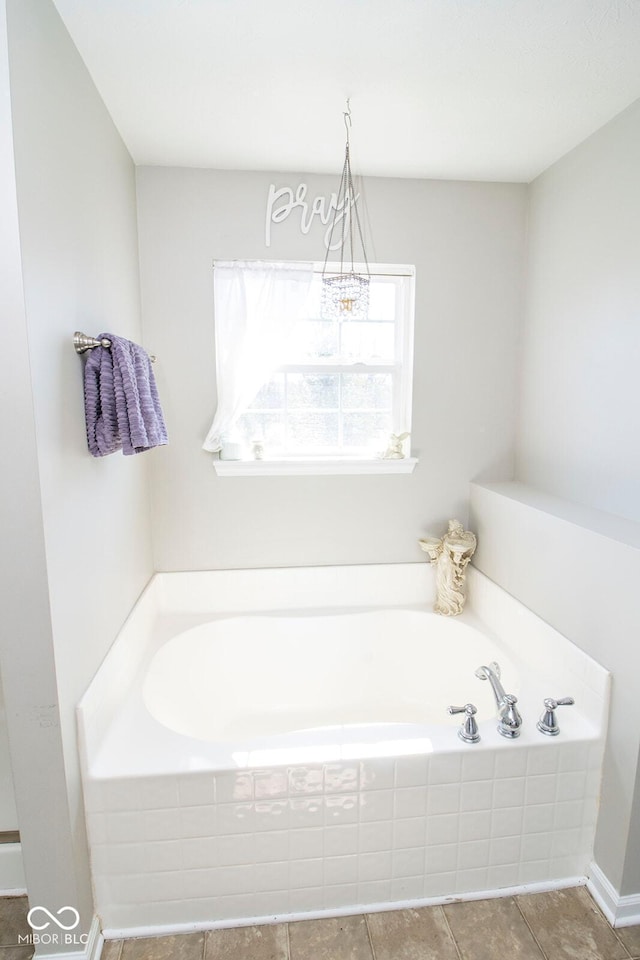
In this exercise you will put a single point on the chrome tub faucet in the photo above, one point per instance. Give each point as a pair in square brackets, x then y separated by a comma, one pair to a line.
[509, 719]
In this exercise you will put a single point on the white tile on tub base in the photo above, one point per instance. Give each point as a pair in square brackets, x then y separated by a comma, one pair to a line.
[374, 891]
[508, 792]
[443, 798]
[441, 858]
[511, 763]
[196, 790]
[507, 822]
[342, 839]
[374, 866]
[340, 870]
[533, 871]
[471, 879]
[271, 902]
[307, 873]
[410, 772]
[473, 855]
[306, 843]
[267, 877]
[538, 818]
[341, 808]
[410, 802]
[376, 805]
[504, 850]
[342, 777]
[535, 847]
[502, 875]
[542, 759]
[410, 832]
[476, 795]
[408, 863]
[270, 846]
[306, 813]
[338, 896]
[377, 774]
[442, 828]
[445, 768]
[195, 853]
[478, 765]
[474, 826]
[407, 888]
[304, 900]
[439, 886]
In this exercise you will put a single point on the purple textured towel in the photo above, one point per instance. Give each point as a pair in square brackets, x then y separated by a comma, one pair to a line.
[121, 402]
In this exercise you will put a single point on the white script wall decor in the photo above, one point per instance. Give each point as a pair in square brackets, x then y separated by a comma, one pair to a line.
[281, 202]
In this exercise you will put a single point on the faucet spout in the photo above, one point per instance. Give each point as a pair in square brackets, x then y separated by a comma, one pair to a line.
[492, 674]
[509, 719]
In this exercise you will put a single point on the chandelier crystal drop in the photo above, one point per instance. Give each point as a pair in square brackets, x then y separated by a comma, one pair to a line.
[345, 294]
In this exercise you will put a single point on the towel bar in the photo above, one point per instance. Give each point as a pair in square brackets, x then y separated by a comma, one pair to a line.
[82, 343]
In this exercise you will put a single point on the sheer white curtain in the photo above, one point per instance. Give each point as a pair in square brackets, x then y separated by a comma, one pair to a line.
[256, 304]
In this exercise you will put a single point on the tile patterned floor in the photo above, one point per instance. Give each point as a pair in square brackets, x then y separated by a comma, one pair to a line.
[562, 925]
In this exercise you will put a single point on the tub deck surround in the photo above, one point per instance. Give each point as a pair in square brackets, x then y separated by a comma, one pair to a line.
[364, 810]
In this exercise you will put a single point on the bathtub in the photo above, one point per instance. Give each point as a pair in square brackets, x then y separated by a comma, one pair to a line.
[272, 744]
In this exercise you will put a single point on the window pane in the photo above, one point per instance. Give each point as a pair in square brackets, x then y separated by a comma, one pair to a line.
[315, 296]
[382, 300]
[368, 341]
[268, 427]
[312, 390]
[366, 391]
[370, 430]
[270, 395]
[313, 339]
[313, 430]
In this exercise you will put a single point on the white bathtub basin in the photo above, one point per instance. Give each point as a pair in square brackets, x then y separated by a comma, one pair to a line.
[255, 676]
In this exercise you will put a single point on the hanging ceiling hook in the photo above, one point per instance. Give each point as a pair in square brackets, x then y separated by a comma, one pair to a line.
[347, 117]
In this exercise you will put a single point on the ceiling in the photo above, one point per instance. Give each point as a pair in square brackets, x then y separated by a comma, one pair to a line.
[458, 89]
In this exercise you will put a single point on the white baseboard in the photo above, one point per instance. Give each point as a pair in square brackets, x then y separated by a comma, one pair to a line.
[12, 881]
[619, 911]
[91, 950]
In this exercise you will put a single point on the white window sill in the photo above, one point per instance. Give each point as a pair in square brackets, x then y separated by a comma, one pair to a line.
[324, 466]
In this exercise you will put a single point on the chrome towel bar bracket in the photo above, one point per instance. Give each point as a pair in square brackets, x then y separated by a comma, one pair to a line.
[82, 343]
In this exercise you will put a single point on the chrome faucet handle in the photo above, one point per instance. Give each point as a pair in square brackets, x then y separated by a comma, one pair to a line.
[469, 729]
[510, 719]
[547, 723]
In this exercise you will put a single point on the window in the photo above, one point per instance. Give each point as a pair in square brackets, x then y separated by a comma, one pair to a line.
[343, 385]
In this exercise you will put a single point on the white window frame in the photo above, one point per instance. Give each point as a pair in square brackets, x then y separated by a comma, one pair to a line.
[401, 366]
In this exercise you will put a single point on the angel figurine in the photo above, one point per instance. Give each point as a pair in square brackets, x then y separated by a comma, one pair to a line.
[450, 557]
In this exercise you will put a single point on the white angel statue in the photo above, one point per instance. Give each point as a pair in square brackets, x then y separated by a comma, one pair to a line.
[450, 557]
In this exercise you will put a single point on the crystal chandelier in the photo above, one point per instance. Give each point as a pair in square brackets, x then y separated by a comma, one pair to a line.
[345, 295]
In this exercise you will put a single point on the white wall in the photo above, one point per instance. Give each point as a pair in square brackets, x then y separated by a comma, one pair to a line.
[77, 220]
[8, 813]
[578, 569]
[26, 651]
[577, 439]
[466, 240]
[580, 402]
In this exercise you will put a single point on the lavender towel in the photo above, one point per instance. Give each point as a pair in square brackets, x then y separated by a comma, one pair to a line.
[121, 402]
